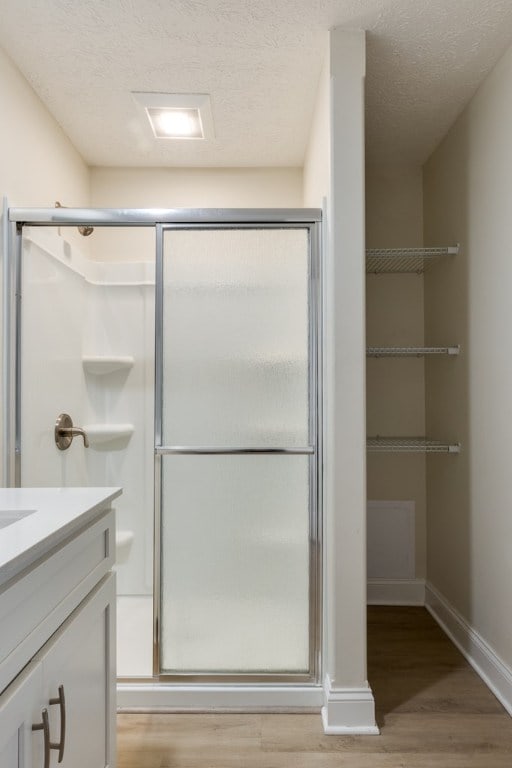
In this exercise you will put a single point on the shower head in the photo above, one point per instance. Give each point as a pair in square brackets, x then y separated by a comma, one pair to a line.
[86, 230]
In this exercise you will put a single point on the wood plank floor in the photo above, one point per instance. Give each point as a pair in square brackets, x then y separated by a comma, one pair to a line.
[433, 711]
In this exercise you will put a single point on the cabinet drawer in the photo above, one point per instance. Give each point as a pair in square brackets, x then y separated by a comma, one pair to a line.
[39, 600]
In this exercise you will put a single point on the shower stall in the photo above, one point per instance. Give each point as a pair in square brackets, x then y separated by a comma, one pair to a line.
[195, 375]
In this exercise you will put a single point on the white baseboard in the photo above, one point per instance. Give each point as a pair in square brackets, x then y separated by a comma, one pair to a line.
[396, 592]
[136, 697]
[348, 710]
[486, 663]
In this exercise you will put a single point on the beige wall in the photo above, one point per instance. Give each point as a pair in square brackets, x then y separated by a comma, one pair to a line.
[317, 159]
[394, 317]
[183, 188]
[38, 163]
[468, 198]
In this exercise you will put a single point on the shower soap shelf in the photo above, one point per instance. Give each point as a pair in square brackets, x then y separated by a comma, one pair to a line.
[415, 260]
[100, 434]
[409, 445]
[102, 365]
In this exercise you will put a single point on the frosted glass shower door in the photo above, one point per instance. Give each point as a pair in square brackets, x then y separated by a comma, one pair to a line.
[236, 451]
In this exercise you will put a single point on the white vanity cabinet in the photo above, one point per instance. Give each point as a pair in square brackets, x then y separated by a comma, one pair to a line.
[61, 664]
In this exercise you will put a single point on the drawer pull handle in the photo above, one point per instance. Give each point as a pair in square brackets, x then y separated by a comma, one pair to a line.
[45, 728]
[61, 701]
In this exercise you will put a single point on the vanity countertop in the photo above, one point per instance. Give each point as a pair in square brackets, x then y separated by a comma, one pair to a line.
[43, 518]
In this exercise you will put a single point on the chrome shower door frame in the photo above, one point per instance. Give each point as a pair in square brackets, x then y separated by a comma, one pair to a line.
[160, 220]
[258, 220]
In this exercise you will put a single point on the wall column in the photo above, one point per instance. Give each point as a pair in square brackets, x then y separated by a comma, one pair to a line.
[349, 704]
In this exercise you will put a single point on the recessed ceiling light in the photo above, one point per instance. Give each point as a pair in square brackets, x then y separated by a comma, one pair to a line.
[177, 115]
[176, 123]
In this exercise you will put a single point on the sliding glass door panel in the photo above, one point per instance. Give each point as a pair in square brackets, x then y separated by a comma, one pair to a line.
[235, 337]
[236, 452]
[235, 565]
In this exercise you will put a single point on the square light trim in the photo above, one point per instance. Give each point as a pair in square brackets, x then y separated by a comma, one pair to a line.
[177, 116]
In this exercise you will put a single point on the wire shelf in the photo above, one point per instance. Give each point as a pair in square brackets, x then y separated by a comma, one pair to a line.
[410, 351]
[416, 260]
[409, 445]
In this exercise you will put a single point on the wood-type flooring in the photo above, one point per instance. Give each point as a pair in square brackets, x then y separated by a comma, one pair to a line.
[432, 709]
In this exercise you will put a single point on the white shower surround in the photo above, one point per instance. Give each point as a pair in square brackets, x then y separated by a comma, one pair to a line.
[91, 309]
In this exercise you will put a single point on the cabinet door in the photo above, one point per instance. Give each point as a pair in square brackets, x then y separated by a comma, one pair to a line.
[78, 666]
[20, 708]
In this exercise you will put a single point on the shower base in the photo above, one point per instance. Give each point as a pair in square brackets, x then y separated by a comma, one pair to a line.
[134, 660]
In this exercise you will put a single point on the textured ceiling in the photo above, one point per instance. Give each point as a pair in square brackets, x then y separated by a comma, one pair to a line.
[259, 60]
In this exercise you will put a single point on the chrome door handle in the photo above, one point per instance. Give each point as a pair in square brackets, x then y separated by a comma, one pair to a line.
[65, 432]
[61, 701]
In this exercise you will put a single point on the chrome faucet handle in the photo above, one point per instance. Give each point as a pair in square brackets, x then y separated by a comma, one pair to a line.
[65, 432]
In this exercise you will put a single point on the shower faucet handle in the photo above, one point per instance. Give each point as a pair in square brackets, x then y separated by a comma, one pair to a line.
[65, 432]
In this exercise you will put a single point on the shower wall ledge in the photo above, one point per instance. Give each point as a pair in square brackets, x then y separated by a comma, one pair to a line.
[100, 273]
[102, 365]
[102, 434]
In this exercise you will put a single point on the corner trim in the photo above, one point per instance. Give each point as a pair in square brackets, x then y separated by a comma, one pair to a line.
[484, 660]
[348, 710]
[395, 592]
